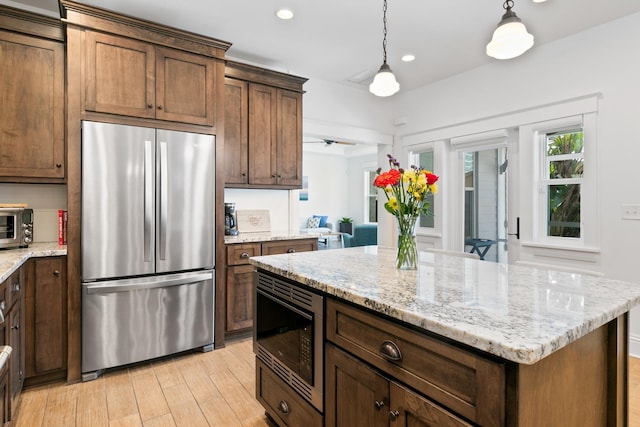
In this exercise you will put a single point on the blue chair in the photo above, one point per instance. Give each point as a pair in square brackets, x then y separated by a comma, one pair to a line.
[363, 235]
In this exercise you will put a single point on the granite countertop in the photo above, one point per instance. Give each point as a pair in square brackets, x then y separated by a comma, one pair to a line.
[268, 236]
[12, 259]
[519, 313]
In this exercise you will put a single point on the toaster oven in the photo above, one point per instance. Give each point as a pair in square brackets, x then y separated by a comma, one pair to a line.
[16, 227]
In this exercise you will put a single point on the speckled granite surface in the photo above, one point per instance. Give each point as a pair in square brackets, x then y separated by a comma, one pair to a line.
[12, 259]
[519, 313]
[265, 237]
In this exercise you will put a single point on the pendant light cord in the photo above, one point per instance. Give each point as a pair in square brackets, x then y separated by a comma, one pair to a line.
[384, 24]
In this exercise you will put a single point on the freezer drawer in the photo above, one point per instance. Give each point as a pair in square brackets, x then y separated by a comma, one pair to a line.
[131, 320]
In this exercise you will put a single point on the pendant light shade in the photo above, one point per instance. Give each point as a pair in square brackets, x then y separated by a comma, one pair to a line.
[511, 38]
[384, 83]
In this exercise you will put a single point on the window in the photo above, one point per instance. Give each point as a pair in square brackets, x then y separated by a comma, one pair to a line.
[371, 195]
[559, 175]
[424, 160]
[563, 172]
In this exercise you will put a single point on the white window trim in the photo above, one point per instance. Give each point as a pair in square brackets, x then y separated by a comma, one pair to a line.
[533, 189]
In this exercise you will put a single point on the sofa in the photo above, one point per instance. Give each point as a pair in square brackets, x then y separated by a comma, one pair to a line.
[309, 225]
[363, 235]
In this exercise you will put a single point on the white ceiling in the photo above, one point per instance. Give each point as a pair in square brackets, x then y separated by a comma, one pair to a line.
[341, 40]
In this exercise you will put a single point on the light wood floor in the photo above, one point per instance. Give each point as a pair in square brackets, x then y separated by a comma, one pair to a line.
[196, 389]
[199, 389]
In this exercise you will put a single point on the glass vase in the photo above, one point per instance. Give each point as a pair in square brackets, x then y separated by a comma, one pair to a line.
[407, 256]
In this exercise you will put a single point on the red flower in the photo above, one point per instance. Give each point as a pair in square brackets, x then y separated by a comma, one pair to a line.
[431, 178]
[392, 177]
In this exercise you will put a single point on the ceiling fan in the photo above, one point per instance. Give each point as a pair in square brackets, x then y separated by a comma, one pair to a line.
[328, 142]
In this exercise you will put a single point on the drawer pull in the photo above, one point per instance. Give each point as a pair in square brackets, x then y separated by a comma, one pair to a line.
[390, 351]
[16, 287]
[56, 273]
[394, 415]
[291, 251]
[244, 255]
[283, 407]
[379, 404]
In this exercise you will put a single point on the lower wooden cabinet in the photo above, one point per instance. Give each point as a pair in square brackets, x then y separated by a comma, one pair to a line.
[46, 320]
[283, 404]
[12, 334]
[359, 395]
[240, 275]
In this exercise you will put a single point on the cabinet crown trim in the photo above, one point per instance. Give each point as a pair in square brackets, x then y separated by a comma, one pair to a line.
[108, 21]
[255, 74]
[31, 24]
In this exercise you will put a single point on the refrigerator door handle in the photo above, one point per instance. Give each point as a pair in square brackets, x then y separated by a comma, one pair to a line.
[152, 283]
[148, 199]
[162, 244]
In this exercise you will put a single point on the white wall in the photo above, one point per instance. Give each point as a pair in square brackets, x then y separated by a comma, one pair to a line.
[602, 60]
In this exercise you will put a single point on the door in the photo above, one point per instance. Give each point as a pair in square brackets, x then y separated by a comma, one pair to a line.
[118, 178]
[485, 203]
[185, 196]
[262, 134]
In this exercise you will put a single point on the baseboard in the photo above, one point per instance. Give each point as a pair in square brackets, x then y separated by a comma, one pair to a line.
[634, 345]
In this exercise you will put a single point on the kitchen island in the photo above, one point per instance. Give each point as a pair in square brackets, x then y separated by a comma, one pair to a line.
[484, 343]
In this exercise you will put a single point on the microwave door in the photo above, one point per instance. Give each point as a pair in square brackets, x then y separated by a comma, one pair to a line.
[185, 195]
[118, 180]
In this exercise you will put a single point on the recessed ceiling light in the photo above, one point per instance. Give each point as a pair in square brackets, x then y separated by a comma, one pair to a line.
[284, 14]
[408, 57]
[539, 1]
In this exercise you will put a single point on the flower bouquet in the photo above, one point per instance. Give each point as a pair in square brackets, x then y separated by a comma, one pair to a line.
[406, 191]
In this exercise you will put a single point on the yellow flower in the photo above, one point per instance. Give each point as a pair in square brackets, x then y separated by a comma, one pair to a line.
[393, 203]
[433, 188]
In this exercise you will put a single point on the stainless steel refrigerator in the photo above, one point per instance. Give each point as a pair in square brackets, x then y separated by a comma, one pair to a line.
[147, 244]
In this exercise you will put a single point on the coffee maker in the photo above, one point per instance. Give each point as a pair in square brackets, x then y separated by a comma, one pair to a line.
[230, 225]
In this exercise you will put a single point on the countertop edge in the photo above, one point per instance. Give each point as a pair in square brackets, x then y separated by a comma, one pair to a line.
[12, 259]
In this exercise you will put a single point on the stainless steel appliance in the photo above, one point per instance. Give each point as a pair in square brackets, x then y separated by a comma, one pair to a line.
[147, 244]
[230, 225]
[16, 227]
[288, 334]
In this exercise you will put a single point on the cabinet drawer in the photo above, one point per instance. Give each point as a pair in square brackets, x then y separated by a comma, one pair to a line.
[282, 403]
[462, 381]
[240, 254]
[289, 246]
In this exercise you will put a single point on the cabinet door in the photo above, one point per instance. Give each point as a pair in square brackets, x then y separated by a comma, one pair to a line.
[31, 108]
[262, 134]
[45, 316]
[289, 139]
[240, 297]
[16, 361]
[355, 394]
[410, 409]
[120, 76]
[185, 86]
[236, 148]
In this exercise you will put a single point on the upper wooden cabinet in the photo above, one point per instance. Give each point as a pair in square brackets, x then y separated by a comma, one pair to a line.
[139, 69]
[263, 128]
[133, 78]
[32, 147]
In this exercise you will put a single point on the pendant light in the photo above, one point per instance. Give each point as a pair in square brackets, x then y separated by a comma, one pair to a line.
[384, 83]
[511, 38]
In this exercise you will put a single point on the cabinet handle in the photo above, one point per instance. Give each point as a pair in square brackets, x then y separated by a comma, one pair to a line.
[244, 255]
[58, 165]
[291, 251]
[16, 327]
[379, 404]
[16, 287]
[244, 174]
[394, 415]
[283, 407]
[159, 107]
[2, 313]
[390, 351]
[56, 273]
[149, 105]
[273, 176]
